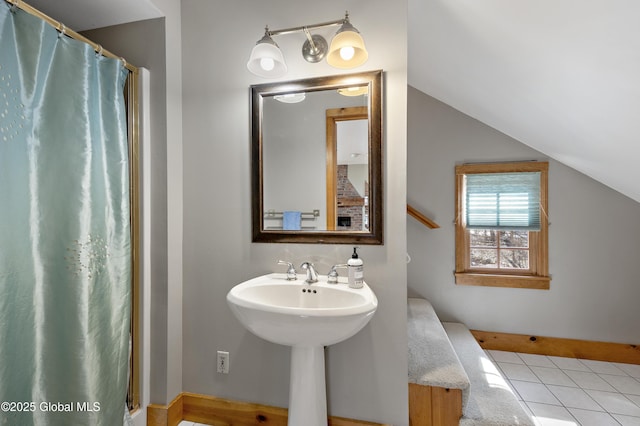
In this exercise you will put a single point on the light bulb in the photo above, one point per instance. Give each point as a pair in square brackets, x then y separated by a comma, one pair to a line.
[347, 52]
[267, 64]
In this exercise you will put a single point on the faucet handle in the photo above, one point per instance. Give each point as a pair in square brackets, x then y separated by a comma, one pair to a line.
[332, 276]
[291, 271]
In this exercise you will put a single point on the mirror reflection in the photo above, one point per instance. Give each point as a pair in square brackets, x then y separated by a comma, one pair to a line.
[316, 160]
[305, 171]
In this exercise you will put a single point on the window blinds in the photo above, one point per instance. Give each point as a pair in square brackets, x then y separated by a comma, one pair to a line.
[505, 201]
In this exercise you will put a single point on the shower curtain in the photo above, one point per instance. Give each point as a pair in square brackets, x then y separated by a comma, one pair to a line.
[65, 260]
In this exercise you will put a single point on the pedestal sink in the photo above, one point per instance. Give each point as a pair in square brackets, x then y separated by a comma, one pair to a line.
[307, 318]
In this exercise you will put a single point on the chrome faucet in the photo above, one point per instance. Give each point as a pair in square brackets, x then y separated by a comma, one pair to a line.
[312, 275]
[332, 276]
[291, 271]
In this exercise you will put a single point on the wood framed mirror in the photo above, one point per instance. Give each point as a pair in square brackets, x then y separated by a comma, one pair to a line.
[316, 160]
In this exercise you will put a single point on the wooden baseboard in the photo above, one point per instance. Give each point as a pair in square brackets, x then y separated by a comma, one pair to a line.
[434, 406]
[218, 411]
[165, 415]
[585, 349]
[209, 409]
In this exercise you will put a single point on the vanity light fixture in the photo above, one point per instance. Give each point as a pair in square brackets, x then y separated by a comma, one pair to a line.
[266, 58]
[347, 49]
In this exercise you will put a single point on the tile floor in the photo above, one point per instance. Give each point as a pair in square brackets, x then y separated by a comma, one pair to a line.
[559, 391]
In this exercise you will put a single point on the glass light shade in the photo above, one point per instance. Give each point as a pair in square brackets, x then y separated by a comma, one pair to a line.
[290, 98]
[347, 49]
[266, 60]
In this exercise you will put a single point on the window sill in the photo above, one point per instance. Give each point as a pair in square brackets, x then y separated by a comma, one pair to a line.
[509, 281]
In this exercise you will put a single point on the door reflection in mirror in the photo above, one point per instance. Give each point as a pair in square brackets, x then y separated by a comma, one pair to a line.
[353, 175]
[347, 169]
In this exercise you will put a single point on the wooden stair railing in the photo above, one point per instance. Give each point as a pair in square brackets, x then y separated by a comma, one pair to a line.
[421, 218]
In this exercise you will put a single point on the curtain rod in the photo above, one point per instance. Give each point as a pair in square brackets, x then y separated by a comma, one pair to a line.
[69, 32]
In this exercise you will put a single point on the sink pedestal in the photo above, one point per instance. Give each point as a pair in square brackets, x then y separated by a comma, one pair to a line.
[307, 390]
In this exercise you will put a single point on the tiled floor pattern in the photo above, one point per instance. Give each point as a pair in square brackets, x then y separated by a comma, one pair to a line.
[560, 391]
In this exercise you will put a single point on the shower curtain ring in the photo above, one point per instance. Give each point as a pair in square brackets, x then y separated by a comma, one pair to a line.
[62, 29]
[15, 5]
[124, 61]
[99, 50]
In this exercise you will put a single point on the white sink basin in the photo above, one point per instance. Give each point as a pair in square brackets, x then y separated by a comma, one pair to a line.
[307, 318]
[295, 313]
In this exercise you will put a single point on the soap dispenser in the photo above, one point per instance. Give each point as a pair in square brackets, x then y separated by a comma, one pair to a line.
[356, 270]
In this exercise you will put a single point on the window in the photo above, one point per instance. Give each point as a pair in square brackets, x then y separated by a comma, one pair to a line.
[501, 225]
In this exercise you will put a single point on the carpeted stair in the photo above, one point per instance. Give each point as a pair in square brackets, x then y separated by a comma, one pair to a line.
[432, 359]
[491, 401]
[446, 355]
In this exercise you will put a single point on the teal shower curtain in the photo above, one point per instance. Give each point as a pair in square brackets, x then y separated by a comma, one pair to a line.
[65, 261]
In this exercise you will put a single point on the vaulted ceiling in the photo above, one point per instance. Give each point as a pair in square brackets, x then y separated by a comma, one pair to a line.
[562, 76]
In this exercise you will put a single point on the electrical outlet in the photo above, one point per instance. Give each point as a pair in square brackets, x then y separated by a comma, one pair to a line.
[223, 362]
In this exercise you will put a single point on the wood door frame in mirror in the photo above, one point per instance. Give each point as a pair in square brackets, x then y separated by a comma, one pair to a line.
[373, 79]
[334, 115]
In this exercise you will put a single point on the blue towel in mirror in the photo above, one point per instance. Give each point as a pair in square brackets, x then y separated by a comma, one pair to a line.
[291, 220]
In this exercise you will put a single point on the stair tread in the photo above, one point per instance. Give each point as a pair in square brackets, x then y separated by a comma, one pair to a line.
[490, 400]
[432, 359]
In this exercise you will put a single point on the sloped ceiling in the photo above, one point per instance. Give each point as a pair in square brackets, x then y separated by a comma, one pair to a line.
[561, 76]
[82, 15]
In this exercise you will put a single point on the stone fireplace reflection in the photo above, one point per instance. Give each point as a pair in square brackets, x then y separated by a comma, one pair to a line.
[353, 208]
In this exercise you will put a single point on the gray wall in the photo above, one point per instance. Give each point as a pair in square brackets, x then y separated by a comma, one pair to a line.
[593, 238]
[367, 373]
